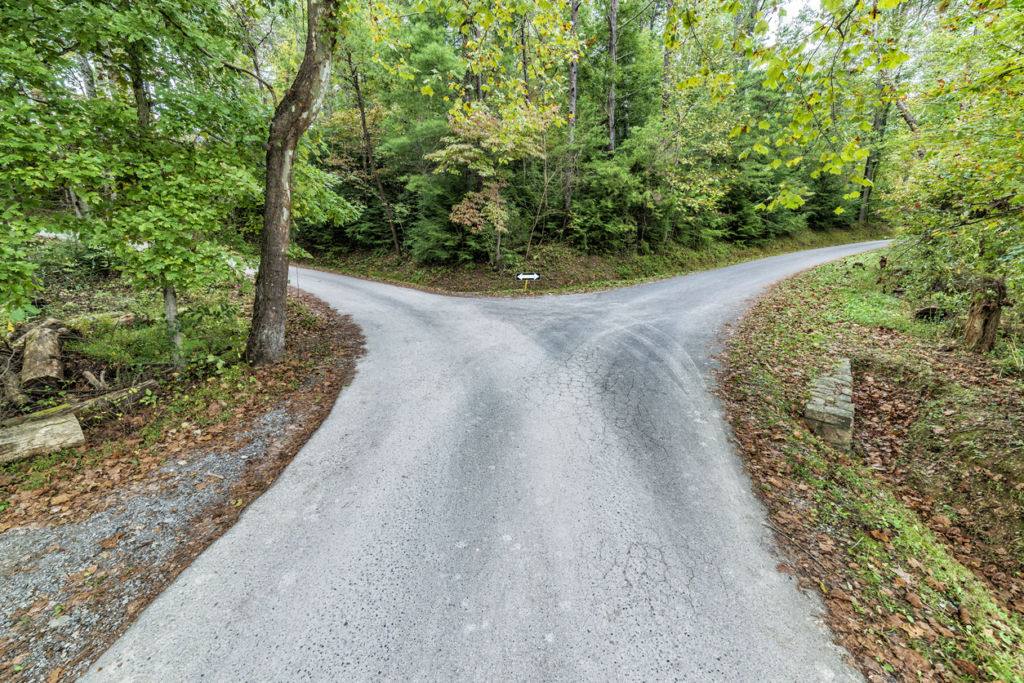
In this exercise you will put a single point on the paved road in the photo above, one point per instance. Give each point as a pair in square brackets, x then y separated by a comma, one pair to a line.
[510, 490]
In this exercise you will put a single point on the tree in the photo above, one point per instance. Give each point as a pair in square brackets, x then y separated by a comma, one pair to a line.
[573, 97]
[292, 117]
[354, 75]
[153, 173]
[613, 35]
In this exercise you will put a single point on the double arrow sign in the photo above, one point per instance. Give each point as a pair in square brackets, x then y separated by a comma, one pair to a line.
[526, 277]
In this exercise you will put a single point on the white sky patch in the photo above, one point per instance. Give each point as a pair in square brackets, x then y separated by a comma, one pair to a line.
[793, 8]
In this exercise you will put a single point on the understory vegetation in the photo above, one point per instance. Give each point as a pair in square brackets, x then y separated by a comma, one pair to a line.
[569, 270]
[113, 337]
[915, 538]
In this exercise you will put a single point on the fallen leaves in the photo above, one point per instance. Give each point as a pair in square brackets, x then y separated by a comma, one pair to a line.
[902, 622]
[111, 542]
[319, 363]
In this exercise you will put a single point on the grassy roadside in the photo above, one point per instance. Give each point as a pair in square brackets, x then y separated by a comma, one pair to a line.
[916, 538]
[564, 269]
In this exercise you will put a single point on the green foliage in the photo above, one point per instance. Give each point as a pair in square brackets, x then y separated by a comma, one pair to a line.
[726, 132]
[71, 263]
[955, 184]
[750, 189]
[214, 338]
[163, 176]
[826, 206]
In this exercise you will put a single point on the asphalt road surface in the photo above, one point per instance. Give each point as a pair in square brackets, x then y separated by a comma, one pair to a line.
[510, 490]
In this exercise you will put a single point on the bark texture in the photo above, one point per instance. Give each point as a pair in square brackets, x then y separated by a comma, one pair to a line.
[292, 118]
[574, 67]
[369, 151]
[613, 27]
[88, 80]
[12, 388]
[40, 438]
[871, 163]
[41, 364]
[526, 70]
[143, 107]
[171, 316]
[984, 315]
[666, 63]
[901, 106]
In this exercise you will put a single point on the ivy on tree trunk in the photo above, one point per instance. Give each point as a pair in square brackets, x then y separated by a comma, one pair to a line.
[292, 118]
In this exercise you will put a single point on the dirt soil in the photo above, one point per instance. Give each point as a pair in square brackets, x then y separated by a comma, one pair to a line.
[938, 435]
[81, 558]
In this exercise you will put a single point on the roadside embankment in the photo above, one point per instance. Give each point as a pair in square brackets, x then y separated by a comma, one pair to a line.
[564, 269]
[915, 536]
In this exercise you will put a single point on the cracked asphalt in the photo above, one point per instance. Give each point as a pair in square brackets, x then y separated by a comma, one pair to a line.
[532, 489]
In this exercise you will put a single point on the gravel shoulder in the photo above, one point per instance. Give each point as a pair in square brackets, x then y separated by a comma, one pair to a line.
[75, 575]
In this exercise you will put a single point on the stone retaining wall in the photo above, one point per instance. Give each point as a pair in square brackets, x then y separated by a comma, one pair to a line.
[829, 412]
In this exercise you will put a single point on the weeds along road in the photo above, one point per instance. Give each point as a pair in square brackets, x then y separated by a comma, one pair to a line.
[510, 490]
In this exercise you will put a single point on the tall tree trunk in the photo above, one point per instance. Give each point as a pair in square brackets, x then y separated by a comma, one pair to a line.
[292, 118]
[369, 150]
[88, 80]
[171, 316]
[543, 200]
[613, 27]
[666, 63]
[89, 85]
[871, 163]
[901, 106]
[526, 71]
[78, 204]
[143, 111]
[571, 155]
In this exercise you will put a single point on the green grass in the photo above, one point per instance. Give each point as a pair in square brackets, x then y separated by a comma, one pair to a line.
[82, 288]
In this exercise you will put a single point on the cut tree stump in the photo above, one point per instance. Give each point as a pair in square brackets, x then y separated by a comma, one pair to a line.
[114, 401]
[40, 437]
[984, 315]
[41, 364]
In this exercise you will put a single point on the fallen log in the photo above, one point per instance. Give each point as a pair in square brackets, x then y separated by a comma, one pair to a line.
[49, 323]
[40, 437]
[42, 358]
[115, 401]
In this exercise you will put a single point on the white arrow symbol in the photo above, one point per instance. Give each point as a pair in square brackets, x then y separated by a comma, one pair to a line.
[527, 276]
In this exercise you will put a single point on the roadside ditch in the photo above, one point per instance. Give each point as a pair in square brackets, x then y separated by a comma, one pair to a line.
[915, 537]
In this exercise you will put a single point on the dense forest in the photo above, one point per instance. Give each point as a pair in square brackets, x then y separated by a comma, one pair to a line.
[474, 130]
